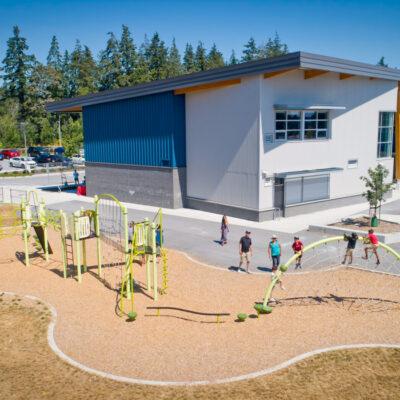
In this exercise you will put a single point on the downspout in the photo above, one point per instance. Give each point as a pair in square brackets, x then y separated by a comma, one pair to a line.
[397, 137]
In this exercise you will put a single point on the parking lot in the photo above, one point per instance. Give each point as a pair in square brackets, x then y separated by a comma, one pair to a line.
[5, 164]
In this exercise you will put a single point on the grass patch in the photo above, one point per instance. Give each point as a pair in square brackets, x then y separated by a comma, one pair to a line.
[29, 369]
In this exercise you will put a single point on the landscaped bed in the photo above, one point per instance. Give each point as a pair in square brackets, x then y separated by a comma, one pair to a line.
[363, 223]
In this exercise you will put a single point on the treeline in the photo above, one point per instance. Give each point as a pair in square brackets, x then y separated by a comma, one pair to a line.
[28, 84]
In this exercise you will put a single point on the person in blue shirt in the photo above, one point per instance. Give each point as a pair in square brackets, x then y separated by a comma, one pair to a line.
[75, 174]
[274, 253]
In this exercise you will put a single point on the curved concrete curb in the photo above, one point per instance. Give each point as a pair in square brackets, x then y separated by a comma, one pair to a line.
[125, 379]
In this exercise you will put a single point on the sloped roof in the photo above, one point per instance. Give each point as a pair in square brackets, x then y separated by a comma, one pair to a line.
[297, 60]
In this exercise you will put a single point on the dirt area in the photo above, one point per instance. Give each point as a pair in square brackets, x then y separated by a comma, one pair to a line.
[9, 215]
[363, 224]
[180, 341]
[30, 370]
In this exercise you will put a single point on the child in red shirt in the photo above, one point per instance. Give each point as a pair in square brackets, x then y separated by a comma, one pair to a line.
[372, 244]
[297, 247]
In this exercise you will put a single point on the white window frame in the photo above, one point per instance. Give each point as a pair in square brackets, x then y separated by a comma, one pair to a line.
[302, 126]
[390, 142]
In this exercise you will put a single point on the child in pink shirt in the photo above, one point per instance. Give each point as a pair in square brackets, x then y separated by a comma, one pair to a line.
[372, 245]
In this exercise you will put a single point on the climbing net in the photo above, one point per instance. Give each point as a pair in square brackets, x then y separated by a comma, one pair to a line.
[321, 277]
[112, 232]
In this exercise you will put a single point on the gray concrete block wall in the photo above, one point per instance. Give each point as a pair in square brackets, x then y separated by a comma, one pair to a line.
[155, 186]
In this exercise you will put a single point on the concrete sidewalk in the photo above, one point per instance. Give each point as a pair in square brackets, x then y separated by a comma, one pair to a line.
[288, 225]
[197, 233]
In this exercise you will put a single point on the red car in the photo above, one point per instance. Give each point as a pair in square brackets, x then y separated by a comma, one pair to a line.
[10, 153]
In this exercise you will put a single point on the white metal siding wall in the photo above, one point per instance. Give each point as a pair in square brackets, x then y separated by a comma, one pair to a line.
[222, 144]
[354, 131]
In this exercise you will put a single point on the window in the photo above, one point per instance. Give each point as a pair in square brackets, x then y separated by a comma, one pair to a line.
[385, 134]
[298, 125]
[353, 163]
[306, 188]
[288, 125]
[315, 125]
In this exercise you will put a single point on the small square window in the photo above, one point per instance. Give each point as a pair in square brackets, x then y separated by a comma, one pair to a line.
[293, 135]
[310, 124]
[280, 125]
[294, 115]
[322, 134]
[280, 116]
[280, 135]
[310, 134]
[310, 115]
[293, 125]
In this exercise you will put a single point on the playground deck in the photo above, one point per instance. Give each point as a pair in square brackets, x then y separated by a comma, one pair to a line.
[190, 337]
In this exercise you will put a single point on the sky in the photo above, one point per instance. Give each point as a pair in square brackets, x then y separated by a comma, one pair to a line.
[357, 30]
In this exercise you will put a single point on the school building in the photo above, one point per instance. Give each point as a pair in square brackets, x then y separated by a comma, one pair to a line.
[290, 134]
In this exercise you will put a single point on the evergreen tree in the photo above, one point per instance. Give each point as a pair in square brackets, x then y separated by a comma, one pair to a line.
[129, 57]
[87, 78]
[251, 51]
[174, 66]
[215, 58]
[200, 58]
[54, 71]
[157, 58]
[381, 62]
[141, 73]
[66, 79]
[18, 66]
[232, 59]
[54, 55]
[273, 48]
[189, 63]
[110, 68]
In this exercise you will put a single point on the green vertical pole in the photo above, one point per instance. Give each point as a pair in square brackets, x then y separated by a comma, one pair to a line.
[63, 242]
[84, 255]
[25, 213]
[147, 246]
[126, 249]
[77, 246]
[154, 256]
[97, 230]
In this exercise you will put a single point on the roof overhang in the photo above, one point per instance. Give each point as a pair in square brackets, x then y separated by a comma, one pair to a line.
[307, 172]
[313, 63]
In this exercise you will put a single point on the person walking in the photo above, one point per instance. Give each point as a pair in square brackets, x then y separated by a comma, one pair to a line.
[274, 253]
[224, 230]
[245, 251]
[75, 174]
[351, 245]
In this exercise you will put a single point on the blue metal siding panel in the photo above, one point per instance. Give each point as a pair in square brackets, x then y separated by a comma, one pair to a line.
[139, 131]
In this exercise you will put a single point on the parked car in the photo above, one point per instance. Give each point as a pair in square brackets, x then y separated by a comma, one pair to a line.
[1, 157]
[59, 159]
[43, 158]
[10, 153]
[22, 162]
[78, 159]
[36, 151]
[59, 150]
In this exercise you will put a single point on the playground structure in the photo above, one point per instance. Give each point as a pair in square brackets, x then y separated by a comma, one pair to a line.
[119, 244]
[324, 304]
[392, 268]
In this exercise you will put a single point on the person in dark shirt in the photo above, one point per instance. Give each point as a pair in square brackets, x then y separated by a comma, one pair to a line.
[351, 245]
[245, 251]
